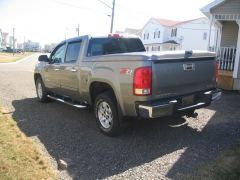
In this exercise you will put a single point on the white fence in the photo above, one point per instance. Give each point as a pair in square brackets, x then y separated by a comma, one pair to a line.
[225, 57]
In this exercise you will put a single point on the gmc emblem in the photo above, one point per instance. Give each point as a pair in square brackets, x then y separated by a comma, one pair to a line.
[189, 67]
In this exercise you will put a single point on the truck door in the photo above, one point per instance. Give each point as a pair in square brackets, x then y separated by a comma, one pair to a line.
[51, 73]
[69, 71]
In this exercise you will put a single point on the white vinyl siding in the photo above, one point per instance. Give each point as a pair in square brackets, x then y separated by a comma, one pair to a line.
[229, 34]
[230, 7]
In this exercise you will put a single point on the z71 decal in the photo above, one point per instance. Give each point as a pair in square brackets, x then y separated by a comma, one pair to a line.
[126, 71]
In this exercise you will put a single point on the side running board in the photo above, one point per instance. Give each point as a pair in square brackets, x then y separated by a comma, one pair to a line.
[80, 106]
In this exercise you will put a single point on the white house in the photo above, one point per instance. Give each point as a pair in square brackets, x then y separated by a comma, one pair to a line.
[162, 34]
[156, 35]
[130, 31]
[225, 17]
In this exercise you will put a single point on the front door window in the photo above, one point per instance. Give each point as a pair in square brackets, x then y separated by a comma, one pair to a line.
[58, 54]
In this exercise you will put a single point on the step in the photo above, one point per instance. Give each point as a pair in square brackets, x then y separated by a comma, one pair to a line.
[80, 106]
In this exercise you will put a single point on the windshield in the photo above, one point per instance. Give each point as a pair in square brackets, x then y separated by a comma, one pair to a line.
[104, 46]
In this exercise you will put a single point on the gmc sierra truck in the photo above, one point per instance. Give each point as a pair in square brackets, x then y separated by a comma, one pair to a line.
[117, 78]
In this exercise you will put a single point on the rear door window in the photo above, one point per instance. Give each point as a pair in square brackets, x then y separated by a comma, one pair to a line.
[72, 53]
[104, 46]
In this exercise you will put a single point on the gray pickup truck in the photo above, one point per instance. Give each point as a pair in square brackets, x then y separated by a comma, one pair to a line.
[119, 79]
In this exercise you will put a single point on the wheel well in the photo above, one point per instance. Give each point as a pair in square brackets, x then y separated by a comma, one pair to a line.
[97, 88]
[36, 76]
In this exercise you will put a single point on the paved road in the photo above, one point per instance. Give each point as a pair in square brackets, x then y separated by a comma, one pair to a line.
[166, 148]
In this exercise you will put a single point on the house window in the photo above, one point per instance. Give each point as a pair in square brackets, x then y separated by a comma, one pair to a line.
[147, 35]
[174, 32]
[159, 35]
[147, 49]
[144, 36]
[159, 48]
[154, 36]
[205, 36]
[152, 48]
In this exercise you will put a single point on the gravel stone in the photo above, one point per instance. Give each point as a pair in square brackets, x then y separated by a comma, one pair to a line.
[166, 148]
[62, 165]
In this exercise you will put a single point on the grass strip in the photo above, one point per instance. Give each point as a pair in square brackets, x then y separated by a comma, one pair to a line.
[21, 157]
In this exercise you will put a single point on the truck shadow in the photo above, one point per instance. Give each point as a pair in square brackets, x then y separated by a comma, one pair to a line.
[72, 134]
[220, 133]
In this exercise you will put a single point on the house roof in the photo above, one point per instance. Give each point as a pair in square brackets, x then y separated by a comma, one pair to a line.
[206, 9]
[183, 22]
[166, 22]
[170, 23]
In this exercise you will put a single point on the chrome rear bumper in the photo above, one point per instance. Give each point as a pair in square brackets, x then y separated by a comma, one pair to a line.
[166, 108]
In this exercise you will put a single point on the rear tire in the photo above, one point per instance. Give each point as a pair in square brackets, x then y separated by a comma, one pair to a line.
[106, 112]
[41, 90]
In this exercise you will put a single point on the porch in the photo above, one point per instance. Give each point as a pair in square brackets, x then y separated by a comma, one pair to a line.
[226, 60]
[227, 48]
[224, 16]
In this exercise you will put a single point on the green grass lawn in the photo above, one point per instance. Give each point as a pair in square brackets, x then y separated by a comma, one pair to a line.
[20, 157]
[9, 57]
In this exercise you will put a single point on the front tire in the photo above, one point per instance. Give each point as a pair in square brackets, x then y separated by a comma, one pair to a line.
[41, 90]
[106, 112]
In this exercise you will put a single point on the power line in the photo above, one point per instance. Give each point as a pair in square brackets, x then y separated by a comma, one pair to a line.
[113, 12]
[79, 7]
[105, 4]
[93, 10]
[77, 29]
[132, 10]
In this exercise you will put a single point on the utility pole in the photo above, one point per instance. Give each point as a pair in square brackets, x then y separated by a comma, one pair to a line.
[77, 29]
[13, 41]
[113, 11]
[24, 45]
[112, 20]
[65, 35]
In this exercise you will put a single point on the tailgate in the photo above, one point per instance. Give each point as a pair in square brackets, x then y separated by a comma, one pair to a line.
[176, 77]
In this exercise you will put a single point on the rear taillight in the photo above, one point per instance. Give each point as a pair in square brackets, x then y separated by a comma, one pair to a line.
[216, 72]
[142, 81]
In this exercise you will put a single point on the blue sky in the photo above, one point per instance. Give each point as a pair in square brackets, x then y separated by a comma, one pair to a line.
[48, 21]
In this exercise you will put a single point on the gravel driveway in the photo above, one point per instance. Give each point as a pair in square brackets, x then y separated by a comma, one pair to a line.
[166, 148]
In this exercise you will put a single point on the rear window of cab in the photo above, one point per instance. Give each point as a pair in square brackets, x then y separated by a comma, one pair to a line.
[105, 46]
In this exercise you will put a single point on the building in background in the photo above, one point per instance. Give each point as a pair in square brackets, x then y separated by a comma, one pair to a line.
[48, 48]
[155, 35]
[225, 17]
[20, 46]
[136, 32]
[0, 39]
[193, 34]
[163, 35]
[31, 46]
[4, 40]
[10, 42]
[7, 44]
